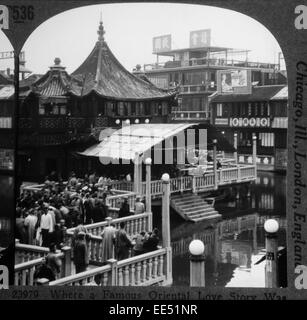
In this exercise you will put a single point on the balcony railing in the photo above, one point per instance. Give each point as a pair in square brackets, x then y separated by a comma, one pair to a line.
[62, 123]
[199, 88]
[191, 115]
[209, 62]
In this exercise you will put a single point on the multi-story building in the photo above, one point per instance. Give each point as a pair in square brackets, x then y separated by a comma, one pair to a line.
[194, 72]
[262, 112]
[63, 113]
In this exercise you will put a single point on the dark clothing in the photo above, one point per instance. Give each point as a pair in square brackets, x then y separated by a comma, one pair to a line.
[151, 243]
[122, 245]
[98, 214]
[80, 256]
[45, 238]
[21, 230]
[44, 271]
[124, 211]
[88, 207]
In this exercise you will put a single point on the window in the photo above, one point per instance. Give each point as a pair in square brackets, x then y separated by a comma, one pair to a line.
[219, 110]
[161, 81]
[267, 139]
[249, 109]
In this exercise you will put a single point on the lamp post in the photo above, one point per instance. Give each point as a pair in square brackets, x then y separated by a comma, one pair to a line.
[166, 234]
[148, 162]
[197, 263]
[255, 153]
[214, 164]
[271, 270]
[136, 173]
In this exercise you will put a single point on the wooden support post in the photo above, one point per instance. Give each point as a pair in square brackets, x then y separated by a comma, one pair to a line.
[271, 271]
[148, 162]
[235, 145]
[215, 165]
[255, 153]
[113, 264]
[197, 263]
[66, 267]
[166, 232]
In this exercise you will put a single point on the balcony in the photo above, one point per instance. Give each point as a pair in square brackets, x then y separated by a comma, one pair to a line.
[190, 115]
[61, 123]
[212, 62]
[200, 88]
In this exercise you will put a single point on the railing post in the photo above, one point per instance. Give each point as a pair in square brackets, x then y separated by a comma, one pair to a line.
[215, 165]
[271, 271]
[113, 264]
[148, 162]
[66, 267]
[197, 263]
[166, 236]
[235, 145]
[194, 184]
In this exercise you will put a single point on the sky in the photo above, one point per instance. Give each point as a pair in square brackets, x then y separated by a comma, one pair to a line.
[129, 31]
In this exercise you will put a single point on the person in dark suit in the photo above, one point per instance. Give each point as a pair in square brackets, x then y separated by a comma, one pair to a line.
[151, 243]
[124, 211]
[122, 243]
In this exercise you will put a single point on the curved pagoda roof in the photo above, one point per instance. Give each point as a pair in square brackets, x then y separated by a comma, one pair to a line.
[56, 82]
[103, 74]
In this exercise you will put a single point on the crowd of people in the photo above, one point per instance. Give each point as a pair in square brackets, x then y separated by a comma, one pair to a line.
[43, 216]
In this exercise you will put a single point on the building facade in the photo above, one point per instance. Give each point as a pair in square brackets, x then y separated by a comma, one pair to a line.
[61, 114]
[263, 113]
[194, 72]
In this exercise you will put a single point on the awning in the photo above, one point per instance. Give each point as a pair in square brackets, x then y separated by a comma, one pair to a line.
[128, 141]
[281, 95]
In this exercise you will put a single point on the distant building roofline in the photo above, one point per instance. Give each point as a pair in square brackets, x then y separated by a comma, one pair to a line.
[201, 49]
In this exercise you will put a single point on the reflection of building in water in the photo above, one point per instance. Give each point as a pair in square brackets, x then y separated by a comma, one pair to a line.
[5, 231]
[236, 252]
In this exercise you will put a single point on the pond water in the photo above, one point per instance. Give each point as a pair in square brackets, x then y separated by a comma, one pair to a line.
[234, 244]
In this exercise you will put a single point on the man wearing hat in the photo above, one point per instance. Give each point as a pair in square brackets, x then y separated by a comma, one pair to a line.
[80, 253]
[139, 206]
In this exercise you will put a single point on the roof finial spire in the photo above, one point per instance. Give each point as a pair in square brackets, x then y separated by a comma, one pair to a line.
[101, 31]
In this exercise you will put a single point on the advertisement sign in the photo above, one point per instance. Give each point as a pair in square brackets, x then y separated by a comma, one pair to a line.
[162, 43]
[234, 81]
[4, 17]
[250, 122]
[200, 38]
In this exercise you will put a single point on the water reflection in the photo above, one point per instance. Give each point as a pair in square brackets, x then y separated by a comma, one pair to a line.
[237, 242]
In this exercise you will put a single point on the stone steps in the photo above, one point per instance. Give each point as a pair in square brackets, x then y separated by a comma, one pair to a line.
[193, 208]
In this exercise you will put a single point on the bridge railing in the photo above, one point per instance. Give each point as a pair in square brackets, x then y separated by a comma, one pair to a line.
[24, 272]
[247, 172]
[134, 224]
[26, 252]
[142, 270]
[116, 200]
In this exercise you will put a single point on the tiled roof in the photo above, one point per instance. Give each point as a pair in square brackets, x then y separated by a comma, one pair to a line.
[56, 82]
[102, 73]
[261, 93]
